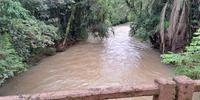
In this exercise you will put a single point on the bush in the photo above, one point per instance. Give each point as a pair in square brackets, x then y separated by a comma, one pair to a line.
[49, 51]
[118, 11]
[30, 34]
[20, 35]
[10, 62]
[144, 26]
[12, 9]
[27, 33]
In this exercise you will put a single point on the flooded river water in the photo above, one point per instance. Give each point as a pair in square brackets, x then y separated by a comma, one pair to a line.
[118, 60]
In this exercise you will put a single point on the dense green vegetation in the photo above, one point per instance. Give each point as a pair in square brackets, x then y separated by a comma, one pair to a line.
[187, 62]
[169, 25]
[20, 34]
[10, 61]
[118, 11]
[32, 29]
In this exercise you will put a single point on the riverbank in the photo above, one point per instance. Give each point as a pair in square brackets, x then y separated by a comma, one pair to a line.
[118, 60]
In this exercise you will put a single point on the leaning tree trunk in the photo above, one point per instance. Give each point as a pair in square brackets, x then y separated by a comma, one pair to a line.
[180, 37]
[176, 35]
[162, 29]
[62, 46]
[174, 21]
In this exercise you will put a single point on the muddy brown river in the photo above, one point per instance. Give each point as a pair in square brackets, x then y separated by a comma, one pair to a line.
[118, 60]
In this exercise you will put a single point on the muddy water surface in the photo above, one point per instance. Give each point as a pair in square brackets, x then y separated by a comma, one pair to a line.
[118, 60]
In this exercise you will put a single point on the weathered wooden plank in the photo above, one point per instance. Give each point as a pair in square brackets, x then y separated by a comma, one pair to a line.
[161, 90]
[92, 94]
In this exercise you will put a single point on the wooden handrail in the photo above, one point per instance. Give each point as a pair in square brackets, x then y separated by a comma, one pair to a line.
[179, 89]
[92, 94]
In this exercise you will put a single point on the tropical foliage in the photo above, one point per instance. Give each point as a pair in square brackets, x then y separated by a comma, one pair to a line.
[10, 61]
[31, 29]
[20, 33]
[188, 62]
[118, 11]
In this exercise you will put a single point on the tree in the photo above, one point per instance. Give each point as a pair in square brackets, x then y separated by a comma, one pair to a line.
[168, 24]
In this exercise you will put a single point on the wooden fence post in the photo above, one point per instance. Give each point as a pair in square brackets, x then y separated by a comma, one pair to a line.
[185, 88]
[167, 90]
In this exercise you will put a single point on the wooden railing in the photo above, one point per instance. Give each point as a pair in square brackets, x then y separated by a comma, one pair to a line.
[181, 88]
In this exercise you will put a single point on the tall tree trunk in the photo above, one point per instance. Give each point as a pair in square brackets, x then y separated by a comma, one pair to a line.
[181, 31]
[69, 25]
[174, 20]
[176, 34]
[162, 28]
